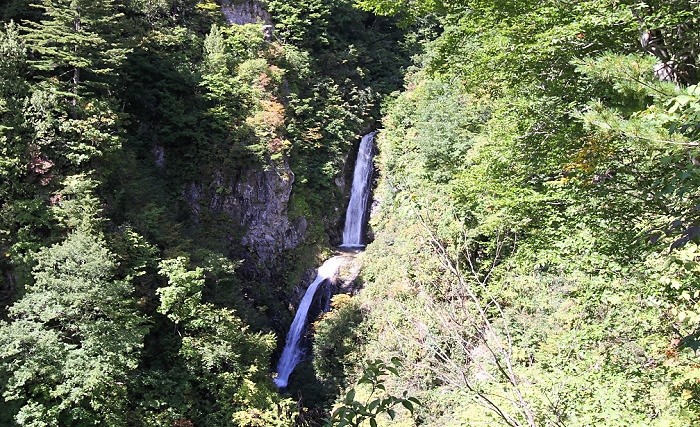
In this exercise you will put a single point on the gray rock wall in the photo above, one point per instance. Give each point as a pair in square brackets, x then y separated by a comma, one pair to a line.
[258, 199]
[245, 12]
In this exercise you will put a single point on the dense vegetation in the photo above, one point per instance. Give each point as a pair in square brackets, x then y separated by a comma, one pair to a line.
[127, 298]
[536, 234]
[536, 250]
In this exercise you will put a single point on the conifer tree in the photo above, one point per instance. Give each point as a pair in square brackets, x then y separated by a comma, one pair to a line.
[75, 336]
[13, 89]
[19, 206]
[219, 353]
[76, 48]
[77, 42]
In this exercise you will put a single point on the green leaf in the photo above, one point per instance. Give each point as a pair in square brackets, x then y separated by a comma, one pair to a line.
[350, 396]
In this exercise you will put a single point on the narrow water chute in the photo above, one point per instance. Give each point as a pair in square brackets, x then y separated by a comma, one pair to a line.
[356, 215]
[293, 353]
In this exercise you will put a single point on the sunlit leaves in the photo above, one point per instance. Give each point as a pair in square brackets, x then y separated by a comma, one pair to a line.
[580, 152]
[183, 295]
[74, 338]
[352, 412]
[218, 350]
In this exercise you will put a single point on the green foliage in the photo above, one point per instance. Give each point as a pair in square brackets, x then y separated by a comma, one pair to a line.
[336, 339]
[663, 135]
[90, 94]
[18, 10]
[535, 174]
[70, 39]
[536, 252]
[13, 89]
[183, 296]
[342, 61]
[219, 352]
[72, 59]
[350, 412]
[76, 206]
[74, 338]
[166, 13]
[14, 60]
[409, 10]
[20, 211]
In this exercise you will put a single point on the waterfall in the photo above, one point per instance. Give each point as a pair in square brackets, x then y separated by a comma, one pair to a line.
[359, 195]
[292, 353]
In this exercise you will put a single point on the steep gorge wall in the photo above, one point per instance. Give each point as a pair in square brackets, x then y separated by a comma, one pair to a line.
[245, 12]
[277, 243]
[258, 199]
[287, 207]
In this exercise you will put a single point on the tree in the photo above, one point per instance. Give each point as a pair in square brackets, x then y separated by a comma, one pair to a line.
[221, 357]
[13, 90]
[23, 217]
[73, 339]
[336, 335]
[546, 296]
[78, 43]
[352, 413]
[77, 47]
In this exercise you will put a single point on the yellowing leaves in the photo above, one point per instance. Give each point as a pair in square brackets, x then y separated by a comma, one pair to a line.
[594, 151]
[268, 124]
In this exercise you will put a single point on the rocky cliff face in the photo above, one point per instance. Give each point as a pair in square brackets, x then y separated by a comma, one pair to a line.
[257, 198]
[245, 12]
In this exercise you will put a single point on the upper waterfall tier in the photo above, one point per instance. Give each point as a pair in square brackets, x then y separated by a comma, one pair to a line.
[356, 214]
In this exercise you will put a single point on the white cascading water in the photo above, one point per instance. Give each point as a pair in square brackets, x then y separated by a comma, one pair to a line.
[292, 353]
[352, 237]
[359, 194]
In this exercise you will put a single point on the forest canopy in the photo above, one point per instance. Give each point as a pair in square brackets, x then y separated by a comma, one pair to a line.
[168, 177]
[535, 247]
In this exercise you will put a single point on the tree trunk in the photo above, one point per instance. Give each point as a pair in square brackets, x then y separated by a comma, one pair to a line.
[76, 74]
